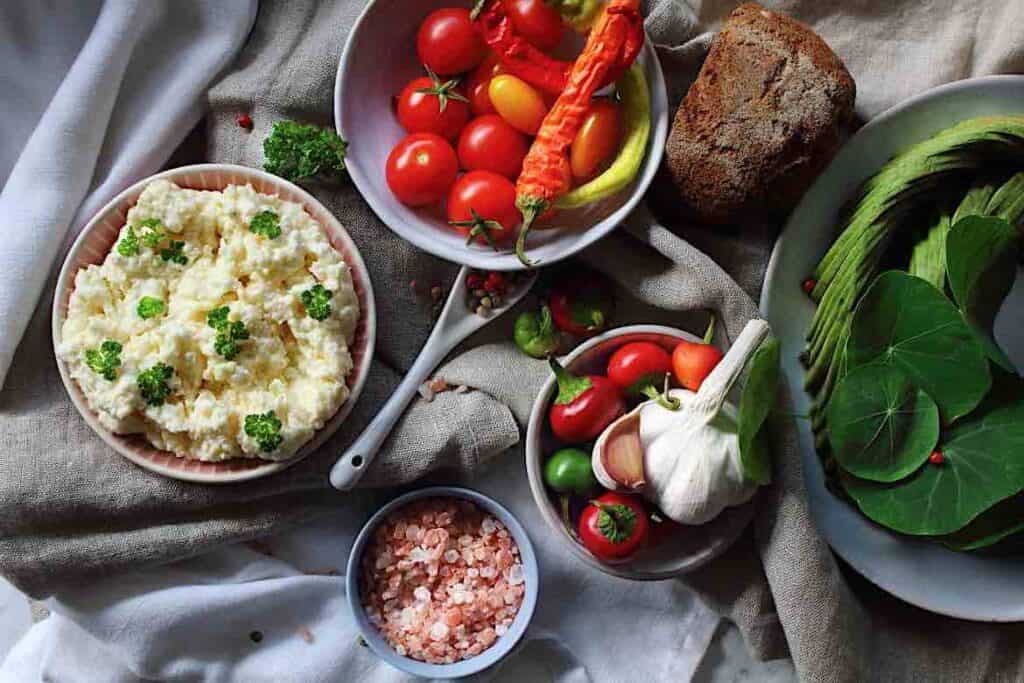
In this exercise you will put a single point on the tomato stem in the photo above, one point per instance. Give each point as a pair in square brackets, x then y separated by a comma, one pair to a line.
[662, 398]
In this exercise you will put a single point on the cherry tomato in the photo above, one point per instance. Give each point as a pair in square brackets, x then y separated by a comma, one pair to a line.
[537, 22]
[639, 362]
[582, 304]
[493, 198]
[421, 168]
[597, 141]
[692, 362]
[491, 144]
[517, 102]
[448, 43]
[430, 106]
[479, 81]
[614, 526]
[584, 406]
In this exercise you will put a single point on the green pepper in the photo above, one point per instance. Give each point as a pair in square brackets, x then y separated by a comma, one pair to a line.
[535, 333]
[636, 107]
[568, 470]
[579, 14]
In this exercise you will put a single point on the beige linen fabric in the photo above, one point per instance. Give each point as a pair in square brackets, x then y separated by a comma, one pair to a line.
[71, 510]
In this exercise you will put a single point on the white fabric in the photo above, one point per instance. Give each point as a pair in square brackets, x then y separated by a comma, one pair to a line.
[192, 620]
[131, 93]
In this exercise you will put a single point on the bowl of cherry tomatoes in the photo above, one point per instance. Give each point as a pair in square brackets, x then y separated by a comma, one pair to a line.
[637, 541]
[438, 127]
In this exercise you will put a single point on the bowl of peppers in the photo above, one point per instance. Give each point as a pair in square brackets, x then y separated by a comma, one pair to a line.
[503, 134]
[599, 381]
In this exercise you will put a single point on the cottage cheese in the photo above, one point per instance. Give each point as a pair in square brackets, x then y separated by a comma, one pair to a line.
[290, 364]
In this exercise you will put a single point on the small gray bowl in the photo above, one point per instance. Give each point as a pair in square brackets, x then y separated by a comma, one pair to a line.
[686, 551]
[488, 657]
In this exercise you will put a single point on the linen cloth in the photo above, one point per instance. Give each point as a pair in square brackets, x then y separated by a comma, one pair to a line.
[780, 584]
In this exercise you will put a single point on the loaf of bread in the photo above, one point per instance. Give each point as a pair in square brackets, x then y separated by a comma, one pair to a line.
[762, 120]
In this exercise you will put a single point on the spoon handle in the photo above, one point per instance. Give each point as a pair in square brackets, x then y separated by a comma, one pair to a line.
[353, 464]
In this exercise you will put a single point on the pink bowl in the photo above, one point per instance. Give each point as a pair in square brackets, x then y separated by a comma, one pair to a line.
[96, 240]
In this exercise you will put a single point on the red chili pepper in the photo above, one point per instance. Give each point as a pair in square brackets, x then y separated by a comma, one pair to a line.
[583, 304]
[936, 458]
[809, 285]
[245, 121]
[521, 58]
[584, 405]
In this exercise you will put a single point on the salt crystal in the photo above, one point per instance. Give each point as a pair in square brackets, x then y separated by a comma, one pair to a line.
[515, 575]
[467, 555]
[488, 572]
[422, 594]
[501, 629]
[426, 392]
[488, 527]
[451, 555]
[502, 533]
[412, 532]
[419, 555]
[439, 631]
[473, 572]
[465, 540]
[399, 650]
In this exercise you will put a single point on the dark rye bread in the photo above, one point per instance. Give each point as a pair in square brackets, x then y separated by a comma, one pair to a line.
[762, 120]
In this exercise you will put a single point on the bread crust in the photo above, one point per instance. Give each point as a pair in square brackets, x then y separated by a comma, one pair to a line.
[764, 117]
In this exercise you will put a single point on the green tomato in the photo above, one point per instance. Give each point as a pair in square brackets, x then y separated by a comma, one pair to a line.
[568, 471]
[535, 333]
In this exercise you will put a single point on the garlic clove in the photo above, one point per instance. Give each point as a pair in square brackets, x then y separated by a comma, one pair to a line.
[618, 457]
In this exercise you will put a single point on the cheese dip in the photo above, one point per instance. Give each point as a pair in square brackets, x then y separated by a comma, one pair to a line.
[218, 326]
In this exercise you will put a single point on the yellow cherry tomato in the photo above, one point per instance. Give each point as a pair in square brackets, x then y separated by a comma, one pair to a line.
[517, 102]
[597, 141]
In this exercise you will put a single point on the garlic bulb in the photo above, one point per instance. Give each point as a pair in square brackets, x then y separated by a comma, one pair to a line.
[686, 461]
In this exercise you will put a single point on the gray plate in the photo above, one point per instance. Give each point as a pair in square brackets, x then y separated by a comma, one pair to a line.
[981, 588]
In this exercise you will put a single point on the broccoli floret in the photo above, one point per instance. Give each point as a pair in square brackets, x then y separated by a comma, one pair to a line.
[105, 360]
[153, 384]
[266, 223]
[149, 306]
[228, 333]
[174, 253]
[265, 429]
[295, 151]
[129, 244]
[154, 234]
[316, 300]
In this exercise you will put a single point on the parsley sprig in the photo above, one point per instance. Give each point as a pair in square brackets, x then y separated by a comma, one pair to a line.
[265, 429]
[228, 333]
[153, 384]
[266, 223]
[149, 307]
[105, 360]
[316, 301]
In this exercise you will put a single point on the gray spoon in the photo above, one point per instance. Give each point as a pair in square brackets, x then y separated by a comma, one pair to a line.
[455, 324]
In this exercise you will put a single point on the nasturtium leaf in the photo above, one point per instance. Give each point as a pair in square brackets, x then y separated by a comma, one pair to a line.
[981, 264]
[881, 426]
[983, 464]
[756, 401]
[906, 322]
[999, 522]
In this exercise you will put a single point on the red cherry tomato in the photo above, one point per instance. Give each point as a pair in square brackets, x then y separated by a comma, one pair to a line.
[584, 406]
[692, 362]
[537, 22]
[639, 362]
[597, 141]
[448, 43]
[429, 106]
[478, 82]
[493, 198]
[582, 304]
[614, 526]
[491, 144]
[421, 168]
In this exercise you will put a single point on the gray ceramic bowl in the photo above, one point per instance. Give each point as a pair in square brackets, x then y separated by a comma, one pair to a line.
[683, 552]
[488, 657]
[379, 59]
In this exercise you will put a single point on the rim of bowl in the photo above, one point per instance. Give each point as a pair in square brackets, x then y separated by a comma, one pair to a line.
[484, 260]
[743, 513]
[120, 443]
[489, 657]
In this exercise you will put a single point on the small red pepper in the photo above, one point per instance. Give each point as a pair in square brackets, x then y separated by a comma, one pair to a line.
[244, 120]
[583, 304]
[521, 58]
[585, 405]
[809, 285]
[936, 458]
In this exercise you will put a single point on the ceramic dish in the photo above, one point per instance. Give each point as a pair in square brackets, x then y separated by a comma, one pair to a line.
[379, 59]
[925, 574]
[467, 667]
[92, 246]
[684, 552]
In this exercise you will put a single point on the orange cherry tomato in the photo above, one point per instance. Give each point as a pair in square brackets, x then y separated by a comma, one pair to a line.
[597, 141]
[517, 102]
[478, 82]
